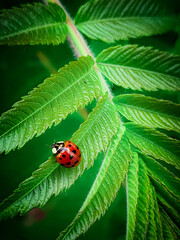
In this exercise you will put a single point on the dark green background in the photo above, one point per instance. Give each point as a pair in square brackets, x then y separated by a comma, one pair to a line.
[20, 71]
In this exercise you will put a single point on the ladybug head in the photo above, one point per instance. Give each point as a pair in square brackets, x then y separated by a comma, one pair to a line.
[57, 147]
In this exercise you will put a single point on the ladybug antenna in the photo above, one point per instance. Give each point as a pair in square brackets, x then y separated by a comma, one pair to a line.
[53, 145]
[48, 145]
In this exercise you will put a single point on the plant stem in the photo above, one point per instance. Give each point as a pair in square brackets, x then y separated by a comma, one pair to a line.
[76, 40]
[80, 46]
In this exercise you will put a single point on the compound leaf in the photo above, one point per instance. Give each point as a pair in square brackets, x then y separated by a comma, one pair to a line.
[140, 68]
[148, 111]
[163, 176]
[104, 188]
[51, 178]
[169, 201]
[113, 20]
[75, 85]
[154, 143]
[33, 24]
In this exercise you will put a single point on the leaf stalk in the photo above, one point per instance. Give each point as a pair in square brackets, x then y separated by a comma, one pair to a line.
[80, 46]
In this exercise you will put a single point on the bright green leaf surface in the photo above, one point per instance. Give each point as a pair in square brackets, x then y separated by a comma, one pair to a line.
[154, 143]
[136, 67]
[148, 111]
[104, 188]
[51, 178]
[163, 175]
[170, 202]
[153, 202]
[33, 24]
[142, 215]
[152, 228]
[157, 217]
[32, 192]
[132, 196]
[112, 20]
[75, 85]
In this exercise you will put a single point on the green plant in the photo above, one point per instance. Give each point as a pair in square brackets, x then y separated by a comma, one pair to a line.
[130, 123]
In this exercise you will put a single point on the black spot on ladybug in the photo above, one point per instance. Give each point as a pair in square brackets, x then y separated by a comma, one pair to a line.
[69, 141]
[64, 156]
[60, 158]
[77, 148]
[80, 155]
[70, 156]
[74, 151]
[73, 165]
[62, 164]
[68, 163]
[76, 162]
[69, 145]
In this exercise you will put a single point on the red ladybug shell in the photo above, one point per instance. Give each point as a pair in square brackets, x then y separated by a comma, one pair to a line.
[70, 156]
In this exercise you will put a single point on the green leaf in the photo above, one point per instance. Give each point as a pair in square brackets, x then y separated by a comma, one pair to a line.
[132, 196]
[170, 203]
[32, 192]
[170, 209]
[33, 24]
[148, 111]
[104, 188]
[136, 67]
[157, 216]
[51, 178]
[167, 234]
[172, 226]
[163, 176]
[152, 228]
[75, 85]
[143, 203]
[103, 123]
[113, 20]
[154, 143]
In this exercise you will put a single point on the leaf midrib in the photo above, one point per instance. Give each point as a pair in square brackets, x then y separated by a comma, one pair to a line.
[147, 140]
[83, 209]
[111, 158]
[147, 110]
[34, 186]
[139, 70]
[89, 201]
[32, 29]
[96, 21]
[136, 199]
[101, 109]
[39, 109]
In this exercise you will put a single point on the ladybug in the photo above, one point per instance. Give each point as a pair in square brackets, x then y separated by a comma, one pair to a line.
[67, 153]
